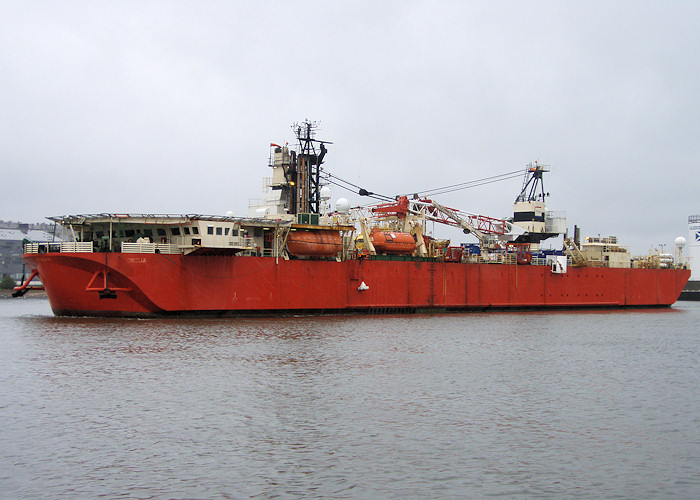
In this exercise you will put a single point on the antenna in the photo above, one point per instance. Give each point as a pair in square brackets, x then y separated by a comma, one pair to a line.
[533, 180]
[308, 168]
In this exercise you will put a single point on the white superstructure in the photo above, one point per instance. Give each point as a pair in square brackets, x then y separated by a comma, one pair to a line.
[692, 249]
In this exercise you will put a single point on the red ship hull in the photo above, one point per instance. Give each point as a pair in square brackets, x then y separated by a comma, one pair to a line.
[158, 284]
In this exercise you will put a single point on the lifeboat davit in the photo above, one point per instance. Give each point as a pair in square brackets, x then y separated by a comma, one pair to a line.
[392, 242]
[314, 243]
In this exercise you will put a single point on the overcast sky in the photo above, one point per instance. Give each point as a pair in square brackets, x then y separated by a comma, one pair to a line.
[169, 107]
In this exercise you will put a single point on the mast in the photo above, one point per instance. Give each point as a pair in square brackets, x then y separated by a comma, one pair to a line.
[305, 171]
[296, 175]
[533, 180]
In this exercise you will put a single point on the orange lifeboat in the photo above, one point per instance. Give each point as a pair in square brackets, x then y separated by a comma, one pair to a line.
[392, 242]
[314, 243]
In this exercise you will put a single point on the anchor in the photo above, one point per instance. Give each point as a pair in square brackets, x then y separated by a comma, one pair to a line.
[24, 287]
[104, 292]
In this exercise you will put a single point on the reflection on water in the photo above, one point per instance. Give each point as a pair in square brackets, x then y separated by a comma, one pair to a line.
[526, 404]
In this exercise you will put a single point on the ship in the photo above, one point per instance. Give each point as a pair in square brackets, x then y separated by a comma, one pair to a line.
[293, 255]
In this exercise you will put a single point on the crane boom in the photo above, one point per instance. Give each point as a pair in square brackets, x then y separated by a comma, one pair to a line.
[479, 225]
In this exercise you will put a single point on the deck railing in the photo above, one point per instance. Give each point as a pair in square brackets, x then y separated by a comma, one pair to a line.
[76, 246]
[149, 248]
[87, 247]
[169, 248]
[126, 247]
[65, 246]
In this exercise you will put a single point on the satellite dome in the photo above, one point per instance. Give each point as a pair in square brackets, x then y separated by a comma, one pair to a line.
[229, 213]
[680, 242]
[342, 205]
[325, 193]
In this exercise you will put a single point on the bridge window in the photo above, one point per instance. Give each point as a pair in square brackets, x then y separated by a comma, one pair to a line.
[226, 230]
[210, 229]
[148, 232]
[195, 230]
[161, 231]
[234, 232]
[175, 231]
[219, 231]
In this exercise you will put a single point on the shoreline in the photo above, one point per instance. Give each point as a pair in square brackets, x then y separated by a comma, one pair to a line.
[31, 294]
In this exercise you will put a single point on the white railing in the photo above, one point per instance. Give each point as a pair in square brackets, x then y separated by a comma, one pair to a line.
[86, 247]
[65, 247]
[149, 248]
[242, 242]
[555, 222]
[76, 246]
[218, 241]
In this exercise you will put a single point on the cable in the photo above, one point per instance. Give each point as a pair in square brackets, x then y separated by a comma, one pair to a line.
[359, 190]
[470, 184]
[476, 184]
[336, 181]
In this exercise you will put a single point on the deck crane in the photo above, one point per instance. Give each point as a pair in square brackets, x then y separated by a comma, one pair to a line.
[486, 229]
[466, 225]
[481, 226]
[530, 211]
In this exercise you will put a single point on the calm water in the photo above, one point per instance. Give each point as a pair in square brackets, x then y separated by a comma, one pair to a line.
[567, 404]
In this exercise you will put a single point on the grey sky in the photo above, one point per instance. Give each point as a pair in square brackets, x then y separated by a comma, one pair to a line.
[169, 107]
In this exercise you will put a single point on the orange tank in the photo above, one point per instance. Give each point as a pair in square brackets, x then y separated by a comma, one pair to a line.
[314, 243]
[392, 242]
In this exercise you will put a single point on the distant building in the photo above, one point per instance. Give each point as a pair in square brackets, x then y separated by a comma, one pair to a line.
[12, 236]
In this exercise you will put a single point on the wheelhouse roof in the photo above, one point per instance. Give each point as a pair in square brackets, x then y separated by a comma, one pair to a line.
[88, 219]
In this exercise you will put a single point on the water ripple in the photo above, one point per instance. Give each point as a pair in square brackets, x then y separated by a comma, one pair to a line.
[531, 405]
